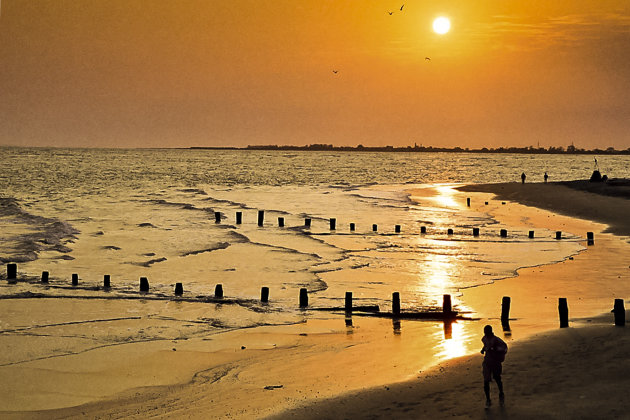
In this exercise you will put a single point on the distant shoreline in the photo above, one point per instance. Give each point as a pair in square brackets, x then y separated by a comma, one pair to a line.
[571, 150]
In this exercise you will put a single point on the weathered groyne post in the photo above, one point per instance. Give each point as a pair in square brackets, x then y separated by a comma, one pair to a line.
[505, 309]
[449, 231]
[280, 221]
[348, 303]
[590, 238]
[218, 291]
[531, 234]
[239, 217]
[352, 227]
[397, 228]
[475, 231]
[396, 303]
[107, 281]
[447, 306]
[558, 235]
[468, 201]
[333, 223]
[264, 294]
[307, 223]
[179, 289]
[75, 279]
[144, 284]
[45, 276]
[563, 311]
[261, 217]
[217, 217]
[504, 233]
[423, 229]
[11, 271]
[303, 298]
[620, 313]
[374, 227]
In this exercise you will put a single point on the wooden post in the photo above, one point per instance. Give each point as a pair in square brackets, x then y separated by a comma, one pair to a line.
[179, 289]
[261, 217]
[11, 271]
[486, 203]
[106, 281]
[531, 234]
[449, 231]
[218, 291]
[558, 235]
[348, 305]
[397, 228]
[144, 284]
[333, 223]
[446, 304]
[239, 217]
[590, 239]
[504, 233]
[303, 298]
[423, 229]
[352, 227]
[44, 276]
[396, 303]
[475, 231]
[264, 294]
[75, 279]
[374, 227]
[307, 223]
[280, 221]
[468, 201]
[505, 309]
[217, 217]
[563, 311]
[620, 313]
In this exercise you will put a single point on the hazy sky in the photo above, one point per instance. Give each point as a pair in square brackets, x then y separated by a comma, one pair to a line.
[166, 73]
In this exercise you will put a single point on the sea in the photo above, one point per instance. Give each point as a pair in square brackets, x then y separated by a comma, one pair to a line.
[133, 213]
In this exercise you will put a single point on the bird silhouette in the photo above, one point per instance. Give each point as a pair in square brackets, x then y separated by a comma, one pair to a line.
[402, 7]
[390, 13]
[427, 59]
[335, 71]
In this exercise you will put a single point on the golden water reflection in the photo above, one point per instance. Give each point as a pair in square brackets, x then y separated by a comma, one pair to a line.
[454, 341]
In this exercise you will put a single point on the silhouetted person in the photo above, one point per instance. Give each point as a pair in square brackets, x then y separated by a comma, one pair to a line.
[494, 350]
[546, 176]
[523, 177]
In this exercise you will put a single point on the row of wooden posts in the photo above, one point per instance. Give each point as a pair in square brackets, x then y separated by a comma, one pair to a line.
[447, 308]
[397, 228]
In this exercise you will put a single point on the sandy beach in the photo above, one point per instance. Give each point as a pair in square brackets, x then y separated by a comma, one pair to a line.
[368, 368]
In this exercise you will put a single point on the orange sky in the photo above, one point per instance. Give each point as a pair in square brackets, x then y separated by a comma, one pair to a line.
[139, 73]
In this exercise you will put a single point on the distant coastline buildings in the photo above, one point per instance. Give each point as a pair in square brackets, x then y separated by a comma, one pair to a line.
[571, 149]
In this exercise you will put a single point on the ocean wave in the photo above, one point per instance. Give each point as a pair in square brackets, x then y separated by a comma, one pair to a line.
[44, 233]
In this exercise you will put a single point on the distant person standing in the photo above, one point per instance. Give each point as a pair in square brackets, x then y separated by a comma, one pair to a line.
[523, 177]
[546, 176]
[494, 350]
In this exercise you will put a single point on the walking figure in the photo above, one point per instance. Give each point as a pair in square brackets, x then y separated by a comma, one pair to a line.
[546, 176]
[494, 350]
[523, 177]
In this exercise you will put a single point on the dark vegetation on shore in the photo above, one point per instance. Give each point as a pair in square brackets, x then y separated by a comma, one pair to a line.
[360, 148]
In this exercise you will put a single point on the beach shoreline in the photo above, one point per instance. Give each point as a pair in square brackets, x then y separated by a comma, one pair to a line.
[328, 344]
[574, 372]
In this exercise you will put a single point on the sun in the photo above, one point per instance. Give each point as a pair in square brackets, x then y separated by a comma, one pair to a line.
[441, 25]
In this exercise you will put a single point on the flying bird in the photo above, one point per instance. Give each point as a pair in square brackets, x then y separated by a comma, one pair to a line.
[335, 71]
[390, 13]
[402, 7]
[427, 59]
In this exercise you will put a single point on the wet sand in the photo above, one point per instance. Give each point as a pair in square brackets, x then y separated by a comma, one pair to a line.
[578, 372]
[263, 371]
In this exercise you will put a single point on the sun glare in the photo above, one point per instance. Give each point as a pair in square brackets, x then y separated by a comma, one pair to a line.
[441, 25]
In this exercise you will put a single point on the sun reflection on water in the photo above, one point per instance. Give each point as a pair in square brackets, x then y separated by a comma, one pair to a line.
[455, 346]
